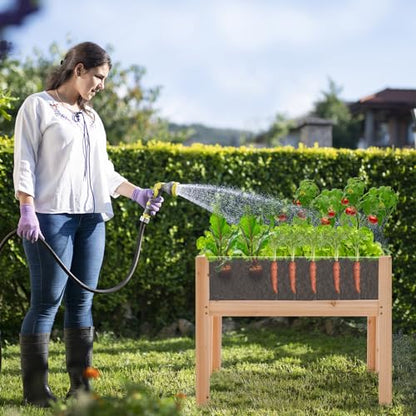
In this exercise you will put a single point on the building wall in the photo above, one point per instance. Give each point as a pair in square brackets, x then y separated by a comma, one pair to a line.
[321, 134]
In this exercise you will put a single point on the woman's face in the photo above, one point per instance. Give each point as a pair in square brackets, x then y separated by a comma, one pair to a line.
[90, 81]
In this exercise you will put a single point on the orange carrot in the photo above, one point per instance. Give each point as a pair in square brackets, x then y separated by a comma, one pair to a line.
[312, 275]
[273, 275]
[356, 272]
[336, 271]
[292, 276]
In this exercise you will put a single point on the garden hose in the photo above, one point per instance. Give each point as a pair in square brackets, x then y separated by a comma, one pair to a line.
[113, 289]
[169, 188]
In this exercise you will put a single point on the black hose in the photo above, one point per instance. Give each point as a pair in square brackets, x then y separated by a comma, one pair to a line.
[113, 289]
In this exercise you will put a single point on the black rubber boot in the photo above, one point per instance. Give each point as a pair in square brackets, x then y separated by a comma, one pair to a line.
[78, 347]
[34, 363]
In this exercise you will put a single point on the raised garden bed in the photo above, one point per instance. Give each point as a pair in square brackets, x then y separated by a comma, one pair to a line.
[322, 255]
[240, 294]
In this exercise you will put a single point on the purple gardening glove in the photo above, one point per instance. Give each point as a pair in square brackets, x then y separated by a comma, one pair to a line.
[28, 226]
[141, 196]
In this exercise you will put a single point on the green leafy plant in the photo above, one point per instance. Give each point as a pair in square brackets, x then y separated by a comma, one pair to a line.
[139, 400]
[353, 191]
[218, 240]
[252, 237]
[6, 100]
[328, 204]
[306, 192]
[378, 204]
[360, 243]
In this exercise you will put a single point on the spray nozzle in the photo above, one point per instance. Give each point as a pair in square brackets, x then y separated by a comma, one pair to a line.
[168, 187]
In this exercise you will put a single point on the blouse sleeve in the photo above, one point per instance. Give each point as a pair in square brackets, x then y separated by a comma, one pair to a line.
[27, 136]
[114, 179]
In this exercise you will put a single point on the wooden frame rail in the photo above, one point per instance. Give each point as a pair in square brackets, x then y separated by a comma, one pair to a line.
[209, 315]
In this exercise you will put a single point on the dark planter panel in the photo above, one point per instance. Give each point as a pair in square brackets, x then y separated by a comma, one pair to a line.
[241, 284]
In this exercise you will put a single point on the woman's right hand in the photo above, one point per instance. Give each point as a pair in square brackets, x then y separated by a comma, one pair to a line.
[142, 196]
[28, 226]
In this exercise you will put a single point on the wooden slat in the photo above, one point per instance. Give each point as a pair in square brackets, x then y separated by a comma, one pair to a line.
[294, 308]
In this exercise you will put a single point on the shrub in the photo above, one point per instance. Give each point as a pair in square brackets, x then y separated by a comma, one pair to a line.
[163, 288]
[139, 400]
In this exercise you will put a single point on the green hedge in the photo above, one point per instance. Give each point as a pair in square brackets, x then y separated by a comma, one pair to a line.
[163, 287]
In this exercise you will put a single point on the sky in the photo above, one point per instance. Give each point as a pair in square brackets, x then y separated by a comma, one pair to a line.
[239, 63]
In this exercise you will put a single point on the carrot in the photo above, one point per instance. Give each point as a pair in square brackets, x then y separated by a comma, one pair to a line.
[312, 275]
[356, 272]
[336, 271]
[292, 276]
[273, 275]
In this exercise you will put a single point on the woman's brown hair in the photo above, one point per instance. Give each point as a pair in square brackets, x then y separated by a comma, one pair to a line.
[89, 54]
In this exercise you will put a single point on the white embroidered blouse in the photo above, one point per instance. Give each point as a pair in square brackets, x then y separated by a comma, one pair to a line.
[60, 158]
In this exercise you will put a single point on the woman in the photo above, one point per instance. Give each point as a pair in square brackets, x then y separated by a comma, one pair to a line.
[63, 180]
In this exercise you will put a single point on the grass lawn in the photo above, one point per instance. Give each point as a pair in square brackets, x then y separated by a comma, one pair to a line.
[264, 372]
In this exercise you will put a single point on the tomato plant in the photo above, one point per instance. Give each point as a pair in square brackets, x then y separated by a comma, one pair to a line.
[306, 192]
[332, 223]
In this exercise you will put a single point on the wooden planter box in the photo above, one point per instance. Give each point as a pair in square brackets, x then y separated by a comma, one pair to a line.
[240, 292]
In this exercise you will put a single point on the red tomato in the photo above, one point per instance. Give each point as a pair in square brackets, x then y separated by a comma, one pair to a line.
[373, 219]
[350, 211]
[331, 213]
[344, 201]
[297, 202]
[325, 221]
[282, 217]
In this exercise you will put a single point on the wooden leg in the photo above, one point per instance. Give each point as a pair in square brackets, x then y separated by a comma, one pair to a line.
[371, 343]
[216, 342]
[384, 347]
[384, 334]
[202, 331]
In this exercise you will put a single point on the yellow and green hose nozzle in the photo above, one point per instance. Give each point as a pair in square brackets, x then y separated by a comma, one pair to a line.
[168, 187]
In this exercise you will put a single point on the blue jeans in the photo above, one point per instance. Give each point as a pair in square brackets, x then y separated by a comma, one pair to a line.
[79, 240]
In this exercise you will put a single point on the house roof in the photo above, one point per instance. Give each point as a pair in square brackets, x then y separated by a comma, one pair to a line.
[312, 121]
[388, 98]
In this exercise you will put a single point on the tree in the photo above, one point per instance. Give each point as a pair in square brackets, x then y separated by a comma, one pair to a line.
[126, 107]
[6, 104]
[14, 14]
[280, 128]
[346, 130]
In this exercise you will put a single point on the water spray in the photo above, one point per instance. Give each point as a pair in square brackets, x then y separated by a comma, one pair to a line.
[232, 203]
